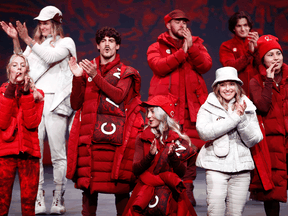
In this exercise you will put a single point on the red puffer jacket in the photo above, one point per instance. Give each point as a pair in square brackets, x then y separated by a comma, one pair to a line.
[104, 167]
[274, 110]
[235, 53]
[19, 122]
[179, 73]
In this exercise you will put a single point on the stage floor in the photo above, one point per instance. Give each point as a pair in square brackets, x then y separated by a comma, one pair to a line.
[106, 207]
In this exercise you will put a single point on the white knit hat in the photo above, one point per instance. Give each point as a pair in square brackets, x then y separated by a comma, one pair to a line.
[48, 13]
[226, 74]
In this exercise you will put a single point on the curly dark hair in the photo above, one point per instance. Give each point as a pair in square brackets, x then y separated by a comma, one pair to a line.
[234, 19]
[109, 32]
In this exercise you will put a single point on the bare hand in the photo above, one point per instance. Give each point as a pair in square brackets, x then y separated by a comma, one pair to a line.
[27, 85]
[253, 38]
[9, 29]
[22, 30]
[240, 108]
[153, 147]
[270, 72]
[74, 67]
[89, 67]
[188, 37]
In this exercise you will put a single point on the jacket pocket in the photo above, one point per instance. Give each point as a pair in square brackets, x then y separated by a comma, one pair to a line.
[221, 146]
[9, 134]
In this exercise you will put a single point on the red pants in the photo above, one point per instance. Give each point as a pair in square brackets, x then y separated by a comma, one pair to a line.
[28, 171]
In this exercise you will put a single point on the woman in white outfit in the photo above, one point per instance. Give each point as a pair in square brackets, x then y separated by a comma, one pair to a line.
[228, 122]
[48, 54]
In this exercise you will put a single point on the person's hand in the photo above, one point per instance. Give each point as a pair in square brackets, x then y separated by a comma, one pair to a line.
[253, 38]
[27, 85]
[89, 67]
[153, 147]
[74, 67]
[23, 32]
[240, 108]
[270, 72]
[188, 37]
[9, 29]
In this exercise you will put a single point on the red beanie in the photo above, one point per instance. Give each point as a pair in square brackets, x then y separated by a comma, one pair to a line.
[266, 43]
[167, 103]
[175, 14]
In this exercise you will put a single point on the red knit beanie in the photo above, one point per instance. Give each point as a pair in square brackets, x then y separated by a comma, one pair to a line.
[266, 43]
[175, 14]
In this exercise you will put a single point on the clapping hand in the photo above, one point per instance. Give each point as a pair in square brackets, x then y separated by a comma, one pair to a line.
[187, 39]
[9, 29]
[22, 30]
[153, 147]
[253, 38]
[240, 108]
[89, 67]
[74, 67]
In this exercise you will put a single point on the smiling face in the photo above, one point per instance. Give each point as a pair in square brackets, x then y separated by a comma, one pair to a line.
[242, 28]
[176, 27]
[108, 49]
[153, 121]
[273, 56]
[17, 70]
[227, 90]
[45, 27]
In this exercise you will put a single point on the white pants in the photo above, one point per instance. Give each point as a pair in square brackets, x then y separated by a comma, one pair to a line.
[226, 191]
[54, 126]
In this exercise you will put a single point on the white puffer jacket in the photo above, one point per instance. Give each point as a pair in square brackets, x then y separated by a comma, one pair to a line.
[229, 136]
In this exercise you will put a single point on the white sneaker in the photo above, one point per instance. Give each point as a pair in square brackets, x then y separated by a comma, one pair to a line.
[40, 207]
[58, 206]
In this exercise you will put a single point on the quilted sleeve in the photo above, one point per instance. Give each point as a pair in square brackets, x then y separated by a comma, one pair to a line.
[32, 111]
[161, 66]
[249, 129]
[199, 57]
[209, 129]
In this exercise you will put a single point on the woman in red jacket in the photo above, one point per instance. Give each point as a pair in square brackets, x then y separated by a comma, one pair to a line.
[20, 111]
[269, 92]
[158, 161]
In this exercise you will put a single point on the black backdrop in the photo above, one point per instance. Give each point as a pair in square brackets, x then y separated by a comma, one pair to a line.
[141, 21]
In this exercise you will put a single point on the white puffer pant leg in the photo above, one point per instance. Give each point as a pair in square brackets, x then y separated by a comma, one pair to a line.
[237, 193]
[217, 184]
[226, 188]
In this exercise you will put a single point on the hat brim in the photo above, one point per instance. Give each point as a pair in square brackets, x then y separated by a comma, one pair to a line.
[223, 80]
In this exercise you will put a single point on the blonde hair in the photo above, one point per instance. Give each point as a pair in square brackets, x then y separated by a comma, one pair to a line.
[167, 123]
[239, 93]
[56, 30]
[11, 61]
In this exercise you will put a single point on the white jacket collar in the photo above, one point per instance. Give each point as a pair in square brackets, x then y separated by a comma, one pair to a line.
[213, 105]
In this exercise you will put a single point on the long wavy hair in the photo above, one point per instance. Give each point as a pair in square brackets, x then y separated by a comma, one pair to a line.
[11, 61]
[239, 93]
[167, 123]
[56, 30]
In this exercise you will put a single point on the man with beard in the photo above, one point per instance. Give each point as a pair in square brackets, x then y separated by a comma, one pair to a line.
[106, 94]
[178, 61]
[240, 51]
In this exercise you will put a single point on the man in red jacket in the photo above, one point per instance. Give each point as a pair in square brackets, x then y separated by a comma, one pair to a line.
[240, 51]
[177, 60]
[106, 94]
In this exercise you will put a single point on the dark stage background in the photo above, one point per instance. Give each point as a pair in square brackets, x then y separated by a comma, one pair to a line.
[140, 22]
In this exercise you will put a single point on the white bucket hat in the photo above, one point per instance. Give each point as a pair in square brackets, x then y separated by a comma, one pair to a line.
[48, 13]
[226, 74]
